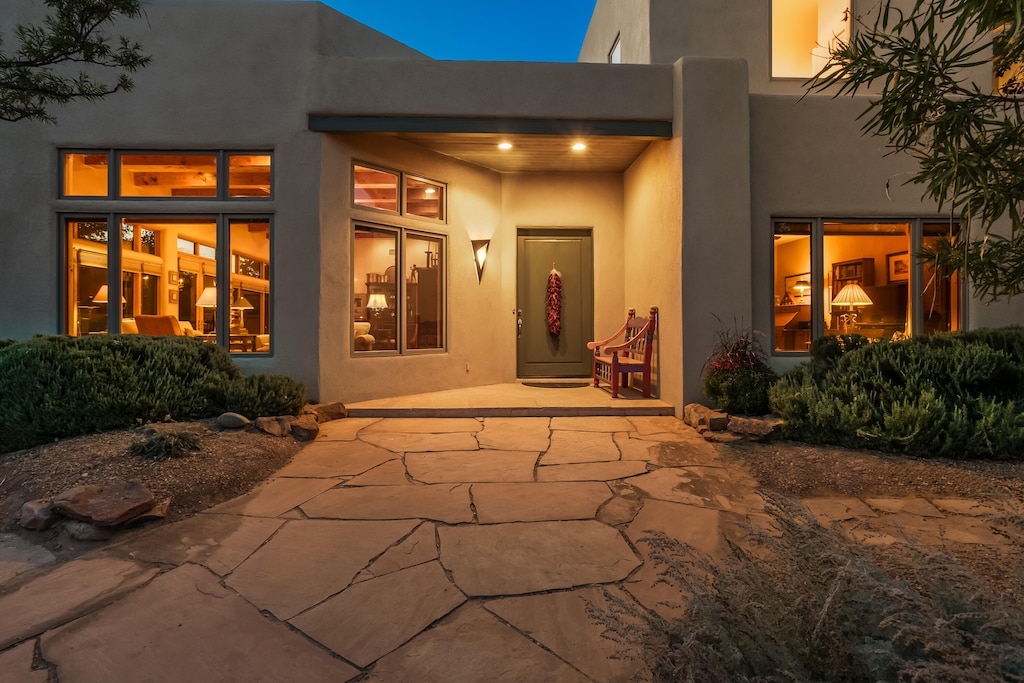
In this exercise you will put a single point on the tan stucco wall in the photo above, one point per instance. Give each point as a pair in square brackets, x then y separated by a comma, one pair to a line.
[630, 21]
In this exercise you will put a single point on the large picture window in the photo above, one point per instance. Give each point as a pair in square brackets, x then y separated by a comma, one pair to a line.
[398, 290]
[803, 31]
[834, 277]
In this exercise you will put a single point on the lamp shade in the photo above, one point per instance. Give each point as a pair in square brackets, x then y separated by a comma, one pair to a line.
[101, 296]
[208, 299]
[802, 286]
[852, 295]
[377, 301]
[241, 304]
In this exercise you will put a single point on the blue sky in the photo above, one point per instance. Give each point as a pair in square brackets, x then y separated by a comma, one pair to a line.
[506, 30]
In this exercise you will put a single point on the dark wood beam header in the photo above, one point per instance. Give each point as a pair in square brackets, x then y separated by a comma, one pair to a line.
[325, 123]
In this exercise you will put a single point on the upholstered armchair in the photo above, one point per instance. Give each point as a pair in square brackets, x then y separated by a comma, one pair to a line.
[363, 339]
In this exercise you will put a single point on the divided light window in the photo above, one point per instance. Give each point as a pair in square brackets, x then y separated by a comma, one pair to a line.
[181, 175]
[376, 188]
[803, 31]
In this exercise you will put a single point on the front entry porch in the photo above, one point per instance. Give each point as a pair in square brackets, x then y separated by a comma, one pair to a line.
[513, 400]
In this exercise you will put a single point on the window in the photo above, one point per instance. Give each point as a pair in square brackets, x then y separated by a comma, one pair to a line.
[181, 175]
[803, 32]
[615, 54]
[398, 290]
[170, 265]
[375, 188]
[864, 281]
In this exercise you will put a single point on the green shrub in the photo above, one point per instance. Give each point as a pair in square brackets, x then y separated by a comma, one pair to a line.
[54, 387]
[737, 376]
[163, 445]
[957, 395]
[257, 395]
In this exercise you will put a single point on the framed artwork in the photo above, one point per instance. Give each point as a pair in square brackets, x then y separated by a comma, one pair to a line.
[898, 265]
[798, 293]
[357, 305]
[172, 277]
[172, 296]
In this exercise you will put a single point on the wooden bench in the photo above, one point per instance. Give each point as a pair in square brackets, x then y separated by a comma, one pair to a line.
[614, 362]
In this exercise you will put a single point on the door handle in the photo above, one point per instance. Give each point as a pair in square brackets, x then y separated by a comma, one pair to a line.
[519, 324]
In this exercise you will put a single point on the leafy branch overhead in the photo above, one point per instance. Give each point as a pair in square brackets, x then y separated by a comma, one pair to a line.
[41, 71]
[946, 81]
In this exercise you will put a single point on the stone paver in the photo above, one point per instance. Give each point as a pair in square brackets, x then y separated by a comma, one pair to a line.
[440, 502]
[914, 506]
[418, 443]
[218, 542]
[592, 424]
[576, 447]
[333, 459]
[391, 473]
[633, 449]
[710, 487]
[425, 425]
[509, 559]
[64, 594]
[185, 626]
[471, 466]
[276, 497]
[516, 433]
[619, 510]
[331, 553]
[567, 624]
[18, 556]
[538, 502]
[468, 647]
[16, 665]
[370, 619]
[828, 510]
[344, 430]
[419, 547]
[965, 506]
[593, 471]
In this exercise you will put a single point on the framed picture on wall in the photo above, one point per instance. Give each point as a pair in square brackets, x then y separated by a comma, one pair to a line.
[898, 266]
[172, 277]
[172, 296]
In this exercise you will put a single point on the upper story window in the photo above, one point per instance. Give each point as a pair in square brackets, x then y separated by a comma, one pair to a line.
[398, 192]
[803, 31]
[615, 54]
[166, 174]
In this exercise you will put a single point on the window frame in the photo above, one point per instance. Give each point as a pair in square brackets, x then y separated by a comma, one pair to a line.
[402, 189]
[401, 291]
[915, 285]
[615, 53]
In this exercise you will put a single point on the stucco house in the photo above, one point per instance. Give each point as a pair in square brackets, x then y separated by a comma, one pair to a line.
[313, 194]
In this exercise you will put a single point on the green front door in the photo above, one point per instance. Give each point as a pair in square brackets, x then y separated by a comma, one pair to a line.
[539, 353]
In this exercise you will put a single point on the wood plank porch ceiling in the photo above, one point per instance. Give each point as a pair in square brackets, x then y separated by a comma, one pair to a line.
[537, 145]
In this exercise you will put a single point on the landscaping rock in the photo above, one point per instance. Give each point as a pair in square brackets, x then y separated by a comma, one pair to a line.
[276, 426]
[759, 427]
[84, 531]
[37, 515]
[697, 416]
[157, 512]
[305, 428]
[232, 421]
[107, 505]
[722, 437]
[326, 412]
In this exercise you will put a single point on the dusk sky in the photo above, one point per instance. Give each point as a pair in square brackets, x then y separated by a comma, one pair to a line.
[506, 30]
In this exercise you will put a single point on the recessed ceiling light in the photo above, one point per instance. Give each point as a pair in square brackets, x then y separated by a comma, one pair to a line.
[505, 145]
[579, 147]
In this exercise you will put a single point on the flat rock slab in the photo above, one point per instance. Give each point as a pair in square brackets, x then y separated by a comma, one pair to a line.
[634, 449]
[471, 466]
[619, 510]
[16, 665]
[391, 473]
[567, 624]
[426, 425]
[439, 502]
[710, 487]
[218, 542]
[592, 471]
[276, 497]
[517, 433]
[419, 547]
[509, 559]
[538, 502]
[370, 619]
[106, 505]
[18, 556]
[307, 561]
[910, 505]
[185, 627]
[592, 424]
[575, 447]
[966, 506]
[469, 647]
[345, 430]
[421, 443]
[828, 510]
[66, 593]
[680, 454]
[646, 425]
[327, 459]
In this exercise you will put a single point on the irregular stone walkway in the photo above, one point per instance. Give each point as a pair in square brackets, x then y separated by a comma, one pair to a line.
[428, 549]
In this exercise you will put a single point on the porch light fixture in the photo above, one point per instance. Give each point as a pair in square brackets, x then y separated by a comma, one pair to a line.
[480, 256]
[578, 147]
[377, 302]
[505, 145]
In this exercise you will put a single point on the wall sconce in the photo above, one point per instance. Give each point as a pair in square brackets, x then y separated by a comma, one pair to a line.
[480, 256]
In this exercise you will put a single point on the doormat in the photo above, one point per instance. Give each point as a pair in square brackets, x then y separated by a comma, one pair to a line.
[557, 385]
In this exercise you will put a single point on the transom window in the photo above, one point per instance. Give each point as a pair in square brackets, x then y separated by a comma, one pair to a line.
[397, 192]
[398, 290]
[803, 32]
[181, 175]
[835, 277]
